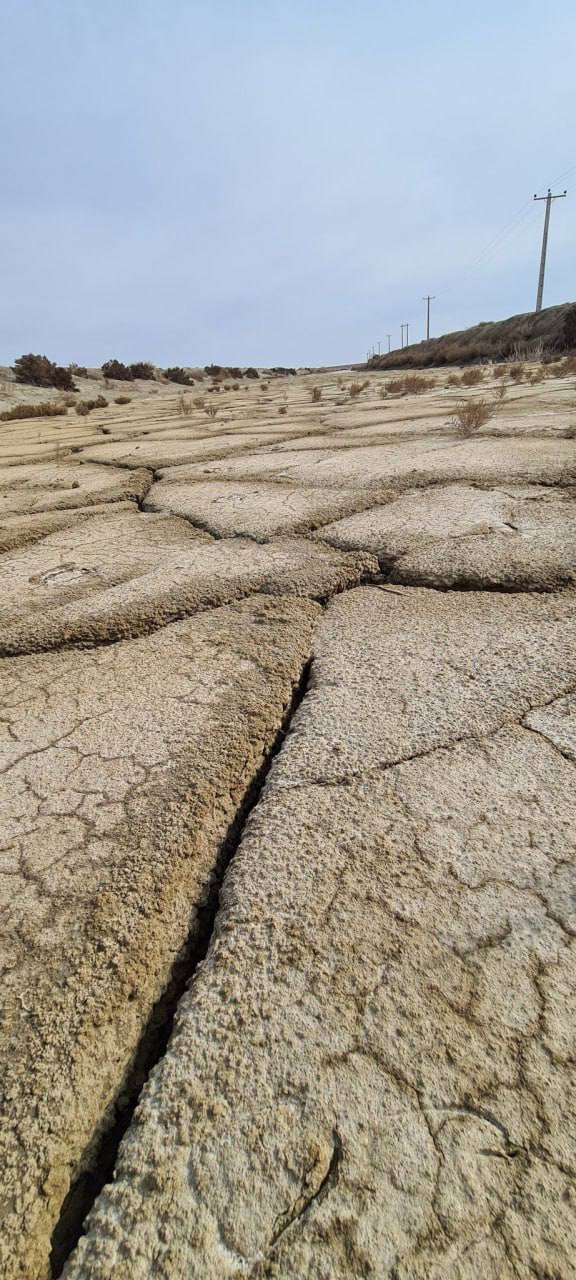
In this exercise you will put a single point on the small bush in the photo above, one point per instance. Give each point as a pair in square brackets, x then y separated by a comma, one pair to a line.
[471, 377]
[143, 369]
[316, 394]
[211, 410]
[500, 371]
[354, 389]
[411, 384]
[85, 406]
[235, 386]
[123, 400]
[46, 409]
[176, 374]
[199, 402]
[282, 409]
[251, 373]
[78, 370]
[517, 372]
[115, 369]
[264, 386]
[470, 415]
[453, 380]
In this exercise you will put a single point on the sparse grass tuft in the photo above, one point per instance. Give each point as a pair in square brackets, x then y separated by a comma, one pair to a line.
[355, 389]
[282, 409]
[517, 372]
[470, 415]
[211, 410]
[199, 402]
[184, 406]
[316, 394]
[123, 400]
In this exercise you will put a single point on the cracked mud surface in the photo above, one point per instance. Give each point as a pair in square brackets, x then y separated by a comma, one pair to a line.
[370, 950]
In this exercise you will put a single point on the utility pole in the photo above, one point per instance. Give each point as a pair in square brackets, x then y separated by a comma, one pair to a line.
[378, 348]
[388, 335]
[548, 198]
[406, 328]
[430, 297]
[402, 326]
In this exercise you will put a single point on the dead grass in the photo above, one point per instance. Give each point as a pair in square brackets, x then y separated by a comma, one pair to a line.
[282, 409]
[316, 394]
[517, 372]
[356, 388]
[122, 399]
[185, 406]
[411, 384]
[46, 409]
[470, 415]
[199, 402]
[211, 410]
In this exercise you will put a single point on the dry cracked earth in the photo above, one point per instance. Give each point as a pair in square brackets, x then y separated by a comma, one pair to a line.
[288, 703]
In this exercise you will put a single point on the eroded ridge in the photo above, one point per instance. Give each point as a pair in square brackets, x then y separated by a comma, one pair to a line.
[123, 769]
[372, 1071]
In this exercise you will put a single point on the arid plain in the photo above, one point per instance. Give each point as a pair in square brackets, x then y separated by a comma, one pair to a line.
[288, 704]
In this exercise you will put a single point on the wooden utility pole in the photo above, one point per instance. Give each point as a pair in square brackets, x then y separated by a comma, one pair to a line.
[389, 336]
[548, 198]
[430, 297]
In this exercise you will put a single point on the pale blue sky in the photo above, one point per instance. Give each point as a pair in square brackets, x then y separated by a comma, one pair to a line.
[276, 183]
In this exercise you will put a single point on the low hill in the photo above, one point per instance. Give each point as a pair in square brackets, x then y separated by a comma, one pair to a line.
[532, 334]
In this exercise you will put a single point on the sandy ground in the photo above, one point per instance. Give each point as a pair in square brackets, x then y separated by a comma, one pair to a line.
[288, 712]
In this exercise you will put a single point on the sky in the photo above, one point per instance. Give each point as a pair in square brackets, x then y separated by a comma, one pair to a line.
[277, 181]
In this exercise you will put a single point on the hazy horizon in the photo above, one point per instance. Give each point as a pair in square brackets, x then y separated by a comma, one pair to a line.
[267, 185]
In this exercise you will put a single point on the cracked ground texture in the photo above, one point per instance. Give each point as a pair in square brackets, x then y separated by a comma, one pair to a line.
[371, 1071]
[122, 769]
[371, 1074]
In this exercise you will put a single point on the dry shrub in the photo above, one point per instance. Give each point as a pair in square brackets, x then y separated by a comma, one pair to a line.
[199, 402]
[411, 384]
[251, 373]
[471, 377]
[39, 371]
[470, 415]
[517, 372]
[85, 406]
[46, 409]
[184, 406]
[316, 394]
[500, 371]
[123, 400]
[382, 393]
[115, 369]
[562, 368]
[453, 380]
[176, 374]
[355, 389]
[282, 409]
[143, 369]
[211, 410]
[235, 386]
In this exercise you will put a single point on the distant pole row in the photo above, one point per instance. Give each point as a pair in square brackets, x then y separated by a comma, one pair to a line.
[430, 297]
